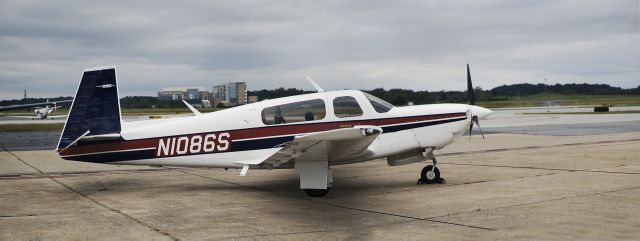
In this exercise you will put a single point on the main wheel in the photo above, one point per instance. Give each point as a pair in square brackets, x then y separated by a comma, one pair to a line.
[429, 176]
[317, 192]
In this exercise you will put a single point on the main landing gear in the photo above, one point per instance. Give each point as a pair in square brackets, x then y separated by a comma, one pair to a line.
[430, 174]
[315, 178]
[317, 192]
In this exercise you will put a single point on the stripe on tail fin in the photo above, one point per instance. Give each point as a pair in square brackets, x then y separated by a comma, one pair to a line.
[95, 108]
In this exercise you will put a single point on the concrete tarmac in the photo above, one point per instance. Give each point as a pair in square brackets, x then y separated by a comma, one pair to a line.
[509, 186]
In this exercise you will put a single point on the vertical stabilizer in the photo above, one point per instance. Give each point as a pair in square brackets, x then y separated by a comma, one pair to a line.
[95, 107]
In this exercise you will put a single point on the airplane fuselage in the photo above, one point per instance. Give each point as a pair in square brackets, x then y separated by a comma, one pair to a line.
[233, 137]
[309, 133]
[42, 113]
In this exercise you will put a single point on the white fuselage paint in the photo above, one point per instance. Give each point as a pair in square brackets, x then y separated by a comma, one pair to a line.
[180, 136]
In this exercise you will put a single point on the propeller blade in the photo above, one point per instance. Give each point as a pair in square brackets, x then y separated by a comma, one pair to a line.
[471, 96]
[475, 119]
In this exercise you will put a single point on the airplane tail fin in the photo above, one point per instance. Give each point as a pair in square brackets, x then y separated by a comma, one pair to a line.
[95, 110]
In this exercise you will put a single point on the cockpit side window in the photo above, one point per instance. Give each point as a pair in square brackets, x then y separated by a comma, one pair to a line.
[308, 110]
[378, 104]
[346, 106]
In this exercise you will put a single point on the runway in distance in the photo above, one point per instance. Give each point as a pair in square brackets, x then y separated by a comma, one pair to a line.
[309, 132]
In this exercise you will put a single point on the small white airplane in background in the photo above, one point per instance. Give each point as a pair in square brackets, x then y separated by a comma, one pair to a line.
[24, 106]
[309, 132]
[44, 112]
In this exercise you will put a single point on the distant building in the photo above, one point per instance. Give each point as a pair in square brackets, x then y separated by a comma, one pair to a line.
[230, 93]
[170, 94]
[219, 92]
[184, 93]
[206, 104]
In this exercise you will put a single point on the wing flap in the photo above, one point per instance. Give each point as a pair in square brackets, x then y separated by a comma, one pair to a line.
[343, 134]
[332, 144]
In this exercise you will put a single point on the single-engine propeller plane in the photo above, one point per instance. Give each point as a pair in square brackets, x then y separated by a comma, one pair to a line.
[40, 112]
[44, 113]
[309, 133]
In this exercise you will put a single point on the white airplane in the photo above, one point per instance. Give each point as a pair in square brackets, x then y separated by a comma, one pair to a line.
[44, 112]
[24, 106]
[309, 133]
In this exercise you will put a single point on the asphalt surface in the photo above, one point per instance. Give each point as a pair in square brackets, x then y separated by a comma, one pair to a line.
[506, 187]
[27, 140]
[569, 129]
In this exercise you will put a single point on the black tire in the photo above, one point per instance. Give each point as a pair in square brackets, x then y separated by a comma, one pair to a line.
[426, 179]
[316, 192]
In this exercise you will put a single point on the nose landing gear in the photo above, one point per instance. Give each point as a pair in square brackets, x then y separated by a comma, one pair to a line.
[430, 174]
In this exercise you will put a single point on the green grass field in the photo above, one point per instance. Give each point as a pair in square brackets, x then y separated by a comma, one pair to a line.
[526, 101]
[31, 127]
[565, 100]
[583, 113]
[167, 111]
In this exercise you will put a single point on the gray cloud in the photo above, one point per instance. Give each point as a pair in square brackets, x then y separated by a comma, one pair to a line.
[44, 45]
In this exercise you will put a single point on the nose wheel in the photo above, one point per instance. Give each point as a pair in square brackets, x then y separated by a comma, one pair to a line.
[430, 174]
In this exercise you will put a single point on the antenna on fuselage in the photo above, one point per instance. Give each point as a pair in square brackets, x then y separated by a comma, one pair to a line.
[315, 85]
[195, 112]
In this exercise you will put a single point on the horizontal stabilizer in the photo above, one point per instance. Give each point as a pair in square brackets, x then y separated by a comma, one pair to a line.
[103, 137]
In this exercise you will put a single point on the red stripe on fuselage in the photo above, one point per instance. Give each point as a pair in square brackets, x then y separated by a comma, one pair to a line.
[258, 132]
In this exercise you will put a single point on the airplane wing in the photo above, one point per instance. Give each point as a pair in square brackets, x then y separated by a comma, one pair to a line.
[56, 116]
[23, 116]
[330, 145]
[13, 107]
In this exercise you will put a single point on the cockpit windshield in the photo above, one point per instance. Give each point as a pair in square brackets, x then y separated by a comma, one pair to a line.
[378, 104]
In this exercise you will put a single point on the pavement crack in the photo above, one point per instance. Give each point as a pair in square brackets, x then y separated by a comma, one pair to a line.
[165, 233]
[537, 202]
[18, 215]
[536, 147]
[342, 206]
[317, 231]
[12, 176]
[399, 215]
[541, 168]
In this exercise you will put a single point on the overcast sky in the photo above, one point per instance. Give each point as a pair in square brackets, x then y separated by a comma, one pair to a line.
[420, 45]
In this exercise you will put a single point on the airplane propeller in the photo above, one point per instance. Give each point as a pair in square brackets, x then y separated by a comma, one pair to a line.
[475, 119]
[472, 101]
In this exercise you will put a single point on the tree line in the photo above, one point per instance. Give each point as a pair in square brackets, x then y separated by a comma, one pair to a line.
[393, 96]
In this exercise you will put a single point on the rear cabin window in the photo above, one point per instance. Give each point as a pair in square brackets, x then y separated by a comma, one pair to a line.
[308, 110]
[346, 106]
